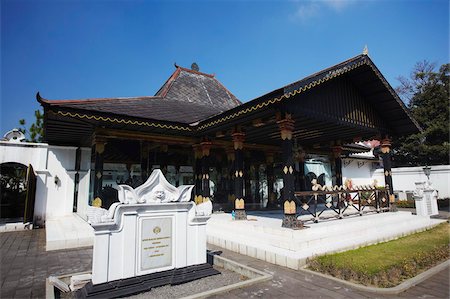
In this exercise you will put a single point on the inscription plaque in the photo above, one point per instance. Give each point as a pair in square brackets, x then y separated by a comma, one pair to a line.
[156, 243]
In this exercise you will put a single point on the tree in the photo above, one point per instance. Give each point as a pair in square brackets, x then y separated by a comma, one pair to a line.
[36, 130]
[426, 93]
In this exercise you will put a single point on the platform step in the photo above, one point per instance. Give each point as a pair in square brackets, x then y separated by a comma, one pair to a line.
[68, 232]
[268, 241]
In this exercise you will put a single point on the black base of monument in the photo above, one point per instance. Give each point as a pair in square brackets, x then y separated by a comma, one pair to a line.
[144, 283]
[240, 215]
[291, 221]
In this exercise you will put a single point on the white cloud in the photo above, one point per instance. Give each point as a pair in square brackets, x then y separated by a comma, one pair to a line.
[337, 5]
[308, 9]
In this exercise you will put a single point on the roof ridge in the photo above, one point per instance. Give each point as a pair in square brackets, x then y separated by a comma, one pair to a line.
[229, 93]
[195, 72]
[88, 100]
[164, 89]
[324, 70]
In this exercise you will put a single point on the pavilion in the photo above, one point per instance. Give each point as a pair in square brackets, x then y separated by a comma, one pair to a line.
[237, 154]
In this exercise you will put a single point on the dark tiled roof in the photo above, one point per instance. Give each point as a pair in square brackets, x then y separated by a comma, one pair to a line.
[199, 88]
[187, 97]
[155, 108]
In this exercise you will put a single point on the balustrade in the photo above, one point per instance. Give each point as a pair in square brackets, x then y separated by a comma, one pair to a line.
[342, 201]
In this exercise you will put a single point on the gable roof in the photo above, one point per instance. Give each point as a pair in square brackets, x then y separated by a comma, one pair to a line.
[363, 73]
[187, 97]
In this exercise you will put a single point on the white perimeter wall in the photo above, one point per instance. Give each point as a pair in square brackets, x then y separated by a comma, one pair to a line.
[403, 178]
[52, 200]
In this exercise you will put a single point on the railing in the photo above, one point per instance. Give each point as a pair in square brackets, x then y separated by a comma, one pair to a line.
[342, 202]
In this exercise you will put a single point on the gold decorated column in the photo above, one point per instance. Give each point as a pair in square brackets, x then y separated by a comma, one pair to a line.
[286, 126]
[239, 204]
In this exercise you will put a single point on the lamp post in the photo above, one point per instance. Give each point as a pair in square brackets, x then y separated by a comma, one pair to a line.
[427, 171]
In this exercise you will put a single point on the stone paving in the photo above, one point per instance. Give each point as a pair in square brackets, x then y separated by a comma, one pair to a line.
[288, 283]
[25, 265]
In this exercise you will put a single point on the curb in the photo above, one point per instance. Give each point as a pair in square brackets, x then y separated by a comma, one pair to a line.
[387, 291]
[255, 276]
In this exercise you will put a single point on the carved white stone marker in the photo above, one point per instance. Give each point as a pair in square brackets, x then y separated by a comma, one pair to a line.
[153, 228]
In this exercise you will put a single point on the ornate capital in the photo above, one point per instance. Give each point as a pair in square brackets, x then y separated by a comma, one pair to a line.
[99, 143]
[238, 140]
[286, 127]
[385, 145]
[205, 147]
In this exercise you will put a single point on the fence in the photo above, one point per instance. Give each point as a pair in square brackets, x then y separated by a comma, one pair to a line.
[342, 202]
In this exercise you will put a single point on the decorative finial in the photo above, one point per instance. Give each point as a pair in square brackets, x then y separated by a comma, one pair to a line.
[366, 50]
[194, 67]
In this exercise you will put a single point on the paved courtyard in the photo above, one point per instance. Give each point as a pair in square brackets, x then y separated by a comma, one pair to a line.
[287, 283]
[25, 265]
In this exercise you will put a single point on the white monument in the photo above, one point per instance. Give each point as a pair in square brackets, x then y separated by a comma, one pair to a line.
[154, 228]
[425, 199]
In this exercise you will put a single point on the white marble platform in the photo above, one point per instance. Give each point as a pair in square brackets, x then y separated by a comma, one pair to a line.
[15, 226]
[68, 232]
[264, 238]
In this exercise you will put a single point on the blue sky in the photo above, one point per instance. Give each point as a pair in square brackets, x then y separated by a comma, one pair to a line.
[85, 49]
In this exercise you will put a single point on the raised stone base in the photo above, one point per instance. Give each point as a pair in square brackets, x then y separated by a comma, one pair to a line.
[240, 215]
[144, 283]
[393, 207]
[291, 221]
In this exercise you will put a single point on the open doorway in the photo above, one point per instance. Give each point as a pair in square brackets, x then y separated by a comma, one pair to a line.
[17, 192]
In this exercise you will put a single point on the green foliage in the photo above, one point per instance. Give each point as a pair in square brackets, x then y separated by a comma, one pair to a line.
[406, 204]
[36, 130]
[388, 264]
[426, 93]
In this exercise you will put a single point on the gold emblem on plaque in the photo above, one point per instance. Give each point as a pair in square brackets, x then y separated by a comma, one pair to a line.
[156, 230]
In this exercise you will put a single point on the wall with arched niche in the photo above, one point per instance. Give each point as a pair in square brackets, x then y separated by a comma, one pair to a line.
[55, 174]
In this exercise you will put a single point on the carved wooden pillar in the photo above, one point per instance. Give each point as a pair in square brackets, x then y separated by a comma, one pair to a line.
[299, 158]
[337, 150]
[258, 198]
[239, 205]
[164, 157]
[271, 197]
[386, 155]
[301, 175]
[230, 176]
[144, 161]
[198, 173]
[98, 177]
[290, 218]
[248, 198]
[177, 174]
[206, 192]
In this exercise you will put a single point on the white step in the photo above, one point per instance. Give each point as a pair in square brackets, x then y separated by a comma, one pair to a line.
[267, 240]
[68, 232]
